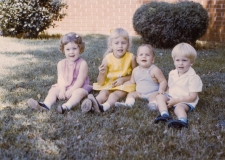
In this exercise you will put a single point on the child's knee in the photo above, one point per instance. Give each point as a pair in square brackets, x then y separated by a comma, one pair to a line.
[54, 91]
[159, 97]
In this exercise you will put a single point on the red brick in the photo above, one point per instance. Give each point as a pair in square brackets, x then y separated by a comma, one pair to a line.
[220, 2]
[102, 15]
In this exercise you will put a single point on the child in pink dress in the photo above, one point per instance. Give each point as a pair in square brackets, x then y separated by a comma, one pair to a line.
[73, 81]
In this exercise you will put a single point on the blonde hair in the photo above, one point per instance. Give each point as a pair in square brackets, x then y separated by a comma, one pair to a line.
[149, 47]
[184, 49]
[71, 37]
[115, 34]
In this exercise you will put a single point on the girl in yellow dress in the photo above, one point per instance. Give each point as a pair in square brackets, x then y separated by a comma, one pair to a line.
[115, 70]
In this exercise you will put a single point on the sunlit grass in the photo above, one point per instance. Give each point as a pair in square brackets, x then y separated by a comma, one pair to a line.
[28, 69]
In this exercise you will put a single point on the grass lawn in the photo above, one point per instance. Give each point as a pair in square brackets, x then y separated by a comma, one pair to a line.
[28, 69]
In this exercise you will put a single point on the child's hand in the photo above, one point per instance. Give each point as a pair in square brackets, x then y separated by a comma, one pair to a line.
[102, 68]
[161, 91]
[62, 95]
[171, 102]
[117, 82]
[68, 93]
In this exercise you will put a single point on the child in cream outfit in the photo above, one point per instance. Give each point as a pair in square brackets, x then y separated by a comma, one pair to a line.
[183, 87]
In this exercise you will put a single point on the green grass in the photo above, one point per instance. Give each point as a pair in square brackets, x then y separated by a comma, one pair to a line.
[28, 69]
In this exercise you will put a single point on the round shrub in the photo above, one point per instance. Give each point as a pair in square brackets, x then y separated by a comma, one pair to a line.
[164, 24]
[26, 18]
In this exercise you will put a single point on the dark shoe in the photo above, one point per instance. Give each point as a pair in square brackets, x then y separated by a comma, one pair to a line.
[62, 110]
[97, 107]
[163, 118]
[177, 124]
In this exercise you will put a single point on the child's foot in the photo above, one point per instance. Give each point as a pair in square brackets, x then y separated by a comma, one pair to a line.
[117, 104]
[37, 105]
[97, 107]
[163, 118]
[177, 124]
[86, 105]
[62, 110]
[152, 106]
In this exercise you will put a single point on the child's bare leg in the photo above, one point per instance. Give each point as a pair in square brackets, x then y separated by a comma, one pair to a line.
[48, 102]
[152, 101]
[161, 101]
[103, 96]
[76, 97]
[53, 93]
[164, 114]
[113, 98]
[181, 111]
[130, 100]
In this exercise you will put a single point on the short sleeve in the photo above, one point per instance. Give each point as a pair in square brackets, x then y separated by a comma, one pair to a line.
[195, 84]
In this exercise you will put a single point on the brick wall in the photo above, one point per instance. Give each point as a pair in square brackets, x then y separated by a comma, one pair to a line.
[100, 16]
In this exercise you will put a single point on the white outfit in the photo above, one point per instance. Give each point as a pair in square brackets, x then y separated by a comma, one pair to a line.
[182, 85]
[145, 85]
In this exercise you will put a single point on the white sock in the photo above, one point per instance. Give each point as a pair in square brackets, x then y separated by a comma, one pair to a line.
[183, 119]
[164, 112]
[130, 102]
[106, 106]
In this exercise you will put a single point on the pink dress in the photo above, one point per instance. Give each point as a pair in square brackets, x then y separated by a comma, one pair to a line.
[70, 74]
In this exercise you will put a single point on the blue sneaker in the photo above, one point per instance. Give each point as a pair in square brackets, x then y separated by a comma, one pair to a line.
[163, 118]
[177, 124]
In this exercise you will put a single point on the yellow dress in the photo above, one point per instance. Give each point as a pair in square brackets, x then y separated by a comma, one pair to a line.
[117, 68]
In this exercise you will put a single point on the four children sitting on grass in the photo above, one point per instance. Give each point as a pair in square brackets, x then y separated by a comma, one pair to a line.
[118, 76]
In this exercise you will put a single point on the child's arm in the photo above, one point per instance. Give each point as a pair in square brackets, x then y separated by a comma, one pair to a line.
[102, 72]
[83, 72]
[190, 98]
[121, 80]
[160, 78]
[132, 80]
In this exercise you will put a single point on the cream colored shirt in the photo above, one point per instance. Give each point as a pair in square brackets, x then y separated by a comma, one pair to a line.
[180, 86]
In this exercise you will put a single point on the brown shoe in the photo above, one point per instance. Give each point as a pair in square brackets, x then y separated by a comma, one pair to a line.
[86, 105]
[95, 104]
[62, 110]
[37, 105]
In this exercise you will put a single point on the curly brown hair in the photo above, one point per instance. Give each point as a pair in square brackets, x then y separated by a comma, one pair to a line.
[72, 37]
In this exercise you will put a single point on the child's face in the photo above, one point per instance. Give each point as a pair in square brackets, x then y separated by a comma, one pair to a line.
[119, 46]
[145, 57]
[182, 64]
[72, 51]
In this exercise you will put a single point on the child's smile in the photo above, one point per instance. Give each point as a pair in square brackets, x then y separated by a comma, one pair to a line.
[119, 46]
[72, 51]
[144, 57]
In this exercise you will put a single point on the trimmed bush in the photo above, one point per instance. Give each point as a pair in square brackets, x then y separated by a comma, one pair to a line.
[164, 24]
[26, 18]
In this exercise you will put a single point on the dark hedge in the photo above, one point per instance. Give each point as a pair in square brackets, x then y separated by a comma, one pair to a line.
[164, 24]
